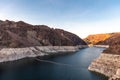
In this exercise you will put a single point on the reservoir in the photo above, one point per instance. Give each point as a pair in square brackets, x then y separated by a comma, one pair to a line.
[68, 67]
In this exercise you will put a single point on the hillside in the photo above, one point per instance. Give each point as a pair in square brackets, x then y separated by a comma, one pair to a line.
[21, 34]
[114, 43]
[95, 38]
[111, 39]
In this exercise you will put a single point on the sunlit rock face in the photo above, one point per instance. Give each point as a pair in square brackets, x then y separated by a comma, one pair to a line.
[110, 39]
[21, 34]
[96, 38]
[114, 43]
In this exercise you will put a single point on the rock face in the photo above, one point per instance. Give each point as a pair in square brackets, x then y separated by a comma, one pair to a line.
[107, 64]
[114, 43]
[111, 39]
[10, 54]
[109, 61]
[21, 34]
[95, 38]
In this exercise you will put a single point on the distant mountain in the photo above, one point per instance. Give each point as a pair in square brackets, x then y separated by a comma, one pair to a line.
[111, 39]
[95, 38]
[21, 34]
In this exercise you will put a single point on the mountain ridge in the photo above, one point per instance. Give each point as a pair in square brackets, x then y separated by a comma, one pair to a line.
[22, 34]
[111, 39]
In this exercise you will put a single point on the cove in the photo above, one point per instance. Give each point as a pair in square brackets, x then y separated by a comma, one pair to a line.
[68, 67]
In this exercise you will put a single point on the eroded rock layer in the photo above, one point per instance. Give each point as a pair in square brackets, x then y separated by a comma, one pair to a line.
[107, 64]
[10, 54]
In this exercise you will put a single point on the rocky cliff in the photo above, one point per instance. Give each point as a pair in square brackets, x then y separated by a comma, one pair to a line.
[21, 34]
[114, 43]
[107, 64]
[109, 61]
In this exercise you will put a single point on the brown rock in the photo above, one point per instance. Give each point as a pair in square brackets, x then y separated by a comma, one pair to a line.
[21, 34]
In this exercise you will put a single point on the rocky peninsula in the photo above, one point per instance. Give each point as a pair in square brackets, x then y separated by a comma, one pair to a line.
[108, 63]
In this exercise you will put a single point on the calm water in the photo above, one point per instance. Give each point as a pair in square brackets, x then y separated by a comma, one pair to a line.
[72, 67]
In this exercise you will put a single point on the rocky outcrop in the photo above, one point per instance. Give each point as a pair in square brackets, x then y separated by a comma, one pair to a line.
[10, 54]
[21, 34]
[116, 76]
[114, 43]
[107, 64]
[109, 61]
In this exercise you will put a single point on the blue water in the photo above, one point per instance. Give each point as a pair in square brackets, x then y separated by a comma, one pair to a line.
[75, 68]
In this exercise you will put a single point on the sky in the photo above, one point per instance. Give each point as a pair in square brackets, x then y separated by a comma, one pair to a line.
[82, 17]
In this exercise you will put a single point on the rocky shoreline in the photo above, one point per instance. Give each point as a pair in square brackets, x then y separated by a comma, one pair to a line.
[103, 46]
[11, 54]
[107, 64]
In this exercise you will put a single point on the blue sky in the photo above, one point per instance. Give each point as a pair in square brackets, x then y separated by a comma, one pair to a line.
[82, 17]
